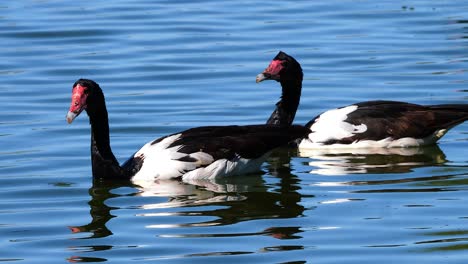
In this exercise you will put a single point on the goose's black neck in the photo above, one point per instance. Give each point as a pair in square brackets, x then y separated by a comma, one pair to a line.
[286, 107]
[104, 163]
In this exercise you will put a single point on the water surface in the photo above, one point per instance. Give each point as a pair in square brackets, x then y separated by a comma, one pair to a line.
[166, 66]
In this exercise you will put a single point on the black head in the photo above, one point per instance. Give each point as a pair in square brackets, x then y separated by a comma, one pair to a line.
[86, 94]
[282, 68]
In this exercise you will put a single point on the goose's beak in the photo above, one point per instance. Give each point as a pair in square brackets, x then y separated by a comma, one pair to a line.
[261, 77]
[70, 117]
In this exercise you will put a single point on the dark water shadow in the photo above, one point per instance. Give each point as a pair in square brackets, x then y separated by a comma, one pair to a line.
[100, 212]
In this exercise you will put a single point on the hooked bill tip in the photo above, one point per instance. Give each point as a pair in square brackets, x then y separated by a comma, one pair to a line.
[261, 77]
[70, 117]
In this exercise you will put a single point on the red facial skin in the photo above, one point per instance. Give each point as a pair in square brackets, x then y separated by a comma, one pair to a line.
[274, 68]
[79, 96]
[272, 72]
[78, 102]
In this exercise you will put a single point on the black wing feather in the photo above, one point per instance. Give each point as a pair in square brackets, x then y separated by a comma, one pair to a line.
[399, 119]
[229, 142]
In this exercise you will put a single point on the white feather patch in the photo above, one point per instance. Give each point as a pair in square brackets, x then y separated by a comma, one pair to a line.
[161, 162]
[331, 125]
[202, 158]
[383, 143]
[225, 168]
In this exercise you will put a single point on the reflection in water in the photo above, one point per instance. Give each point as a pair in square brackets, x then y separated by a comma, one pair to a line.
[100, 213]
[452, 240]
[242, 198]
[464, 33]
[237, 199]
[227, 201]
[388, 160]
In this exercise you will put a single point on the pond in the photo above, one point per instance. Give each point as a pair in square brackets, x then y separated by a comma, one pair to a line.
[166, 66]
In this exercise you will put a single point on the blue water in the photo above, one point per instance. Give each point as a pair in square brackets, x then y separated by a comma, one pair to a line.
[166, 66]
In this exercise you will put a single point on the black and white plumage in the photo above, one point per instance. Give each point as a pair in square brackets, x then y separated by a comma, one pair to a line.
[381, 124]
[197, 153]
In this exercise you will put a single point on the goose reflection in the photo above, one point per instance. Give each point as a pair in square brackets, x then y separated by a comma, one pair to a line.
[178, 194]
[99, 211]
[237, 199]
[381, 160]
